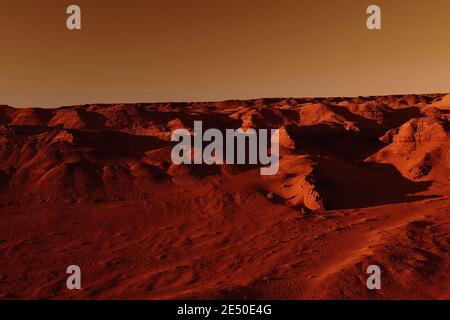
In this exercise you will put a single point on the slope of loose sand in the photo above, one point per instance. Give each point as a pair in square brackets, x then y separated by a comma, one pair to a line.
[362, 181]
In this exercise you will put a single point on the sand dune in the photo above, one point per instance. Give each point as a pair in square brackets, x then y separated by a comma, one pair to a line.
[362, 181]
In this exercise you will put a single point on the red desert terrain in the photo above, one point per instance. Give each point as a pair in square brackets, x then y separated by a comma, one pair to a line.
[362, 181]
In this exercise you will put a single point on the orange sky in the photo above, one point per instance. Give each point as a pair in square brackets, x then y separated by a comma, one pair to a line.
[197, 50]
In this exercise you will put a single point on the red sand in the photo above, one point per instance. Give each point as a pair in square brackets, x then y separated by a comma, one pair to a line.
[362, 181]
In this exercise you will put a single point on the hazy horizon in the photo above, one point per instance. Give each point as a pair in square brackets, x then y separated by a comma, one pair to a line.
[218, 100]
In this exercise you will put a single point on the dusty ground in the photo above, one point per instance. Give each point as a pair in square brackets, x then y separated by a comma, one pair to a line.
[362, 181]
